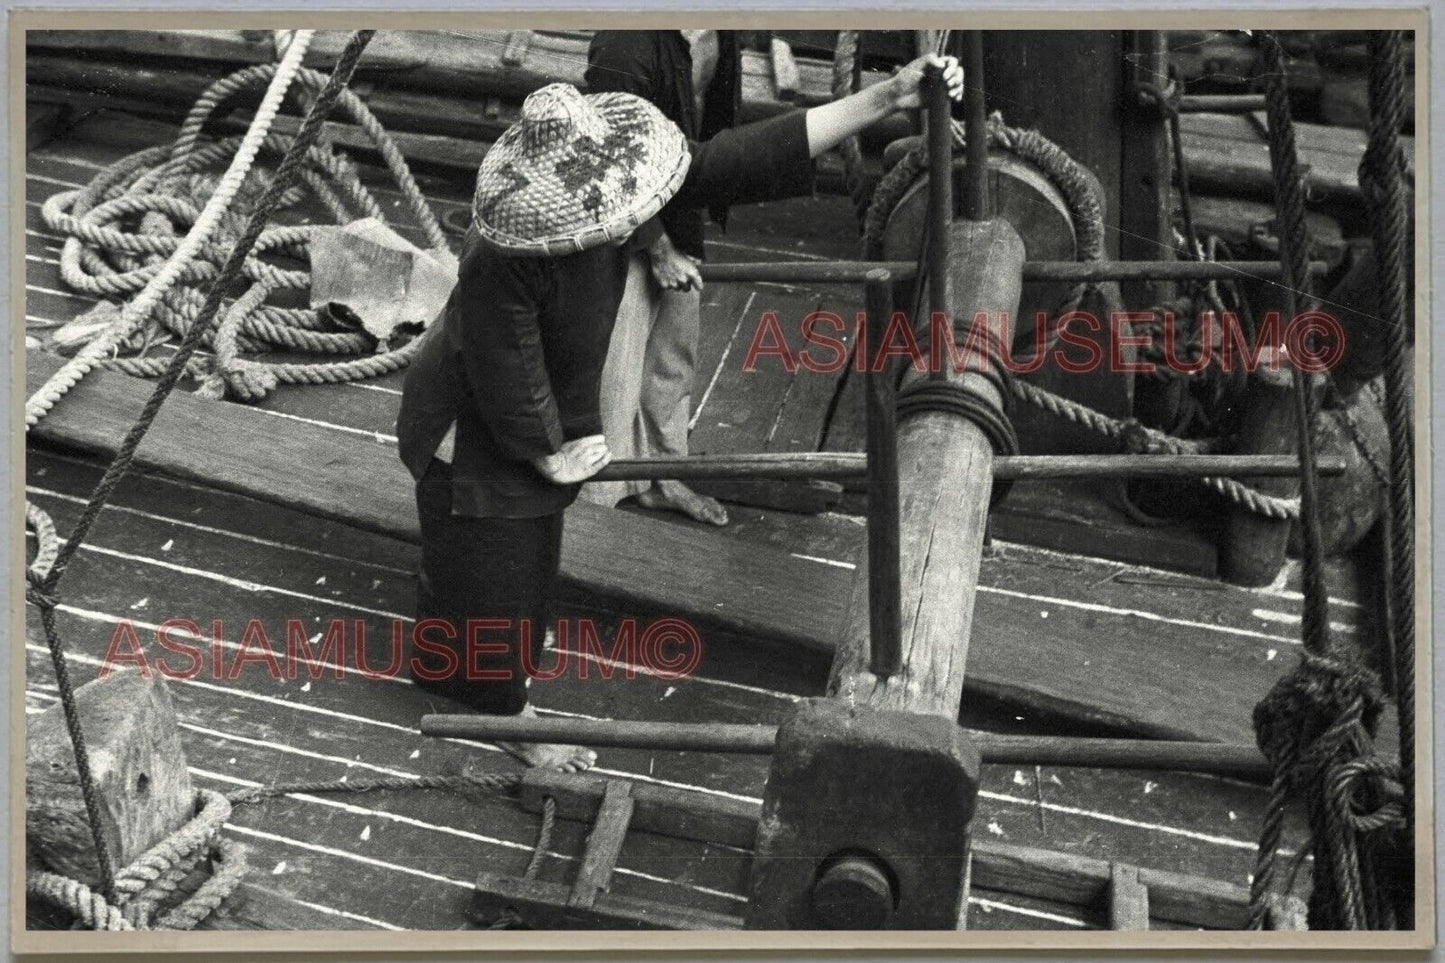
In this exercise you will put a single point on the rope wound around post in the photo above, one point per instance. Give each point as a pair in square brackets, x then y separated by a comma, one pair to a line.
[954, 398]
[1318, 723]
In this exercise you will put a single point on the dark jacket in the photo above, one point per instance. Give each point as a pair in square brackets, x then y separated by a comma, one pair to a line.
[515, 359]
[656, 65]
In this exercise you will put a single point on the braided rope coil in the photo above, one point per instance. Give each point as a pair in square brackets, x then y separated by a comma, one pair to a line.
[159, 188]
[209, 219]
[150, 892]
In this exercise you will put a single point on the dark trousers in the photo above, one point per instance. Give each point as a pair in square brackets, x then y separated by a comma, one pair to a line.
[502, 570]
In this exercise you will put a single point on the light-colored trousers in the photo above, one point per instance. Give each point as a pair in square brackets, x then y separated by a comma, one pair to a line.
[646, 395]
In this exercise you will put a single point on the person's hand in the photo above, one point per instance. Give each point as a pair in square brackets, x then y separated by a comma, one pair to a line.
[671, 269]
[579, 460]
[906, 86]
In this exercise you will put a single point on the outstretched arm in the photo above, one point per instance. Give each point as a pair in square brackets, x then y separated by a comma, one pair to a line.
[771, 159]
[833, 123]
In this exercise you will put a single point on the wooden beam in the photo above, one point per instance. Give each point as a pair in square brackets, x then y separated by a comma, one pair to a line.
[946, 475]
[544, 906]
[460, 62]
[604, 845]
[648, 565]
[1251, 546]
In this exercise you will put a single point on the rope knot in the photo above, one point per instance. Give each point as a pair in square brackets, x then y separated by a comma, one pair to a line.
[1322, 714]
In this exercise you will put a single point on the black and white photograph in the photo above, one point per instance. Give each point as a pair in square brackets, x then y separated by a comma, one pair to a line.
[779, 482]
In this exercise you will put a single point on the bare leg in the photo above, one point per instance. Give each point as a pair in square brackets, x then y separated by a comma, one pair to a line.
[666, 402]
[545, 755]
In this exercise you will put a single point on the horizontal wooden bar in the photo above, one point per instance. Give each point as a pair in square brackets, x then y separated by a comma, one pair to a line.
[843, 272]
[742, 738]
[853, 465]
[1220, 103]
[756, 739]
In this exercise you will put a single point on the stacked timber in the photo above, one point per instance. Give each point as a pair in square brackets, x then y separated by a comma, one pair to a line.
[447, 94]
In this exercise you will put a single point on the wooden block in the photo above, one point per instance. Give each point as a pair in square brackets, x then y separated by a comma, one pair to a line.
[838, 774]
[785, 70]
[604, 844]
[543, 905]
[1128, 899]
[138, 766]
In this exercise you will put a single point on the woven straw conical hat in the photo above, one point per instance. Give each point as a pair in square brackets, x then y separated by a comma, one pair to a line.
[577, 171]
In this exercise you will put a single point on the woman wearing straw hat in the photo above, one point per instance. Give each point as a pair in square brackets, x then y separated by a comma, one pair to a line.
[499, 420]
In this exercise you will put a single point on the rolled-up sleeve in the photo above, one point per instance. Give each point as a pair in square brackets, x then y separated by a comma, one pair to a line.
[502, 353]
[763, 161]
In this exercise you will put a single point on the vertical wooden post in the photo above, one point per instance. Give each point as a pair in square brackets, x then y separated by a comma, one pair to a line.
[1252, 547]
[1026, 70]
[882, 742]
[884, 605]
[977, 202]
[945, 479]
[940, 189]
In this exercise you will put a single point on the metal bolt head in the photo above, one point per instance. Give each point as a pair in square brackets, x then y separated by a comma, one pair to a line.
[853, 894]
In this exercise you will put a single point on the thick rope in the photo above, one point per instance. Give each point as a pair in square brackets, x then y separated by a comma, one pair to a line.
[102, 258]
[42, 585]
[135, 312]
[509, 918]
[1317, 724]
[1086, 210]
[1382, 177]
[150, 892]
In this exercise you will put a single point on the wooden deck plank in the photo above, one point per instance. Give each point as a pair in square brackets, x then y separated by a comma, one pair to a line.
[1009, 816]
[1131, 681]
[1010, 801]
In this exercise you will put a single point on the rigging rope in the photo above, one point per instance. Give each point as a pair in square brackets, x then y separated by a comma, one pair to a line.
[46, 572]
[1317, 724]
[1382, 177]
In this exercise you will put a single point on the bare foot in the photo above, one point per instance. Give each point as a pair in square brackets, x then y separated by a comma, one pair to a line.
[675, 496]
[546, 755]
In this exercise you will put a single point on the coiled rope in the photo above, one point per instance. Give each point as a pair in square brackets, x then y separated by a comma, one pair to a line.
[152, 893]
[186, 251]
[1080, 193]
[158, 186]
